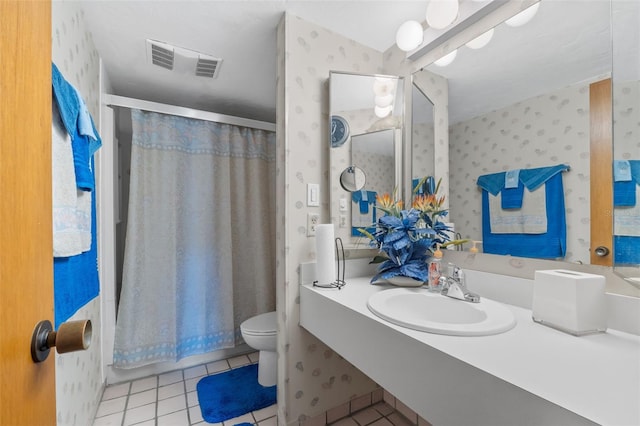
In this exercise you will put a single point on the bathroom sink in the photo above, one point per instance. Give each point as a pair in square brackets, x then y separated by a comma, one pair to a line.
[421, 310]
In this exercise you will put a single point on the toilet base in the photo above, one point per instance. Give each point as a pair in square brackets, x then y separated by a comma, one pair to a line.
[268, 368]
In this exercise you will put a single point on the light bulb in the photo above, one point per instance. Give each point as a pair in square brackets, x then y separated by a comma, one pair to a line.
[523, 17]
[409, 36]
[447, 59]
[382, 112]
[383, 101]
[442, 13]
[481, 41]
[383, 86]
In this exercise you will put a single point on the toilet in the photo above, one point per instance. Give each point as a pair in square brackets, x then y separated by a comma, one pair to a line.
[260, 332]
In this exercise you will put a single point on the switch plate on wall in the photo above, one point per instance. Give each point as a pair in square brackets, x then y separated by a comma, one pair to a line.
[313, 219]
[313, 194]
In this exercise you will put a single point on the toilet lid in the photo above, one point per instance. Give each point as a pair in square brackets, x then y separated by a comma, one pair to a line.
[260, 324]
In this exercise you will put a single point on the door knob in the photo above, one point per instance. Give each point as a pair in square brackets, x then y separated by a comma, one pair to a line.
[71, 336]
[601, 251]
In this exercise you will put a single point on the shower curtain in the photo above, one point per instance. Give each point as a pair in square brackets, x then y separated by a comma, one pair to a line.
[200, 244]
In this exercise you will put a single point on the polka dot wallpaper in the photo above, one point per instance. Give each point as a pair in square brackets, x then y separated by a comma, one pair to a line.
[315, 378]
[626, 125]
[78, 374]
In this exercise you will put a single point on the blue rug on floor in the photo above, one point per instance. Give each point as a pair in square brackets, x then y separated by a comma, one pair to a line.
[233, 393]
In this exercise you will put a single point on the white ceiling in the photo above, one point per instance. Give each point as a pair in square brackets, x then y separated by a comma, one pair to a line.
[241, 33]
[554, 46]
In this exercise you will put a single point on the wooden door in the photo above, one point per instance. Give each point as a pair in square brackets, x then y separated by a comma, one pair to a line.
[27, 390]
[601, 130]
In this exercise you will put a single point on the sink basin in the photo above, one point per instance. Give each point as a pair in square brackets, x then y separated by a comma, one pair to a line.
[421, 310]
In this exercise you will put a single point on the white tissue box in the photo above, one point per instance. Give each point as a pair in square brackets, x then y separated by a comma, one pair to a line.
[573, 302]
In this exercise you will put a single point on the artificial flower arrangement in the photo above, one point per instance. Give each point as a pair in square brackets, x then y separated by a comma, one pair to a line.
[407, 239]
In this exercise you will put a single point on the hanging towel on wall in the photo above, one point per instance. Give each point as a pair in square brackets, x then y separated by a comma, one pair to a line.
[363, 217]
[75, 139]
[71, 207]
[529, 218]
[550, 244]
[626, 177]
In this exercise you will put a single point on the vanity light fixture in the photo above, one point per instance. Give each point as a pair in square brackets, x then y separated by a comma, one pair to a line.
[382, 112]
[446, 59]
[409, 35]
[523, 17]
[481, 41]
[442, 13]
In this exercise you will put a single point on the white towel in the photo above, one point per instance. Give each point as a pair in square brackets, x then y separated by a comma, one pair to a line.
[530, 219]
[71, 214]
[626, 220]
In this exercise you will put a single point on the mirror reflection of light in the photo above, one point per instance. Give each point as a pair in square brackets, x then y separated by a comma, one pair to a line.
[447, 59]
[409, 36]
[383, 101]
[382, 112]
[442, 13]
[523, 17]
[383, 86]
[481, 41]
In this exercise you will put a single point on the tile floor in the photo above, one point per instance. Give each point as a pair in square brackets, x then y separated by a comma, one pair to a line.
[170, 399]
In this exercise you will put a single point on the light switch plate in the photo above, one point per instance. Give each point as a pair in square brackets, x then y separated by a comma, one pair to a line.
[313, 194]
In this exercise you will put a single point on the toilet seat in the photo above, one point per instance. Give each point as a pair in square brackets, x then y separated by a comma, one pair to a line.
[260, 325]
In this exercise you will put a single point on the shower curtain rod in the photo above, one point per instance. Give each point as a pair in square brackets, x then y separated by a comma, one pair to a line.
[121, 101]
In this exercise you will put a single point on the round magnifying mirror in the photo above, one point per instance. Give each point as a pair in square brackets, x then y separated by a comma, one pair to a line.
[352, 179]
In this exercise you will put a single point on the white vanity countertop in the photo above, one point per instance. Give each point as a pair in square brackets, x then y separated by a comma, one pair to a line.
[595, 376]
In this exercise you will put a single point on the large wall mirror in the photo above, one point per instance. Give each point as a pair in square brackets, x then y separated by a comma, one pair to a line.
[366, 114]
[522, 101]
[626, 136]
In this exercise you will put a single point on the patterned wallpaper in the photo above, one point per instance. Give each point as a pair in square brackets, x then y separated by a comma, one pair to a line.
[546, 130]
[315, 378]
[379, 169]
[626, 127]
[78, 374]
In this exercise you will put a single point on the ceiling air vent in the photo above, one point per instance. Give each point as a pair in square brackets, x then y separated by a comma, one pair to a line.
[207, 66]
[161, 54]
[182, 60]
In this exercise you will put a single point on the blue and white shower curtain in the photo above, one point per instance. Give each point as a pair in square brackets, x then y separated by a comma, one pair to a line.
[200, 244]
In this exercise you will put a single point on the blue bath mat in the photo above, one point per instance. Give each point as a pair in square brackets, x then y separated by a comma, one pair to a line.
[233, 393]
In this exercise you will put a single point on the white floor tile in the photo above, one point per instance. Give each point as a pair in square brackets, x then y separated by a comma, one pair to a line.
[218, 366]
[171, 405]
[197, 371]
[142, 398]
[245, 418]
[168, 391]
[111, 406]
[170, 378]
[151, 422]
[195, 415]
[271, 421]
[254, 357]
[178, 418]
[239, 361]
[192, 398]
[110, 420]
[144, 384]
[265, 413]
[115, 391]
[139, 414]
[191, 384]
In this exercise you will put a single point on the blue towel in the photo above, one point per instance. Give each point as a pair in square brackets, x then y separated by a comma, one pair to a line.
[551, 245]
[635, 170]
[512, 179]
[512, 197]
[75, 279]
[624, 194]
[79, 124]
[621, 171]
[531, 178]
[626, 250]
[67, 100]
[493, 183]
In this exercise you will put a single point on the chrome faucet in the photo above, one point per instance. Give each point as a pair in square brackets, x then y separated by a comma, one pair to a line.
[453, 285]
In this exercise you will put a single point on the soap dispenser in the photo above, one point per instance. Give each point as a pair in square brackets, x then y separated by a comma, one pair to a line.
[434, 270]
